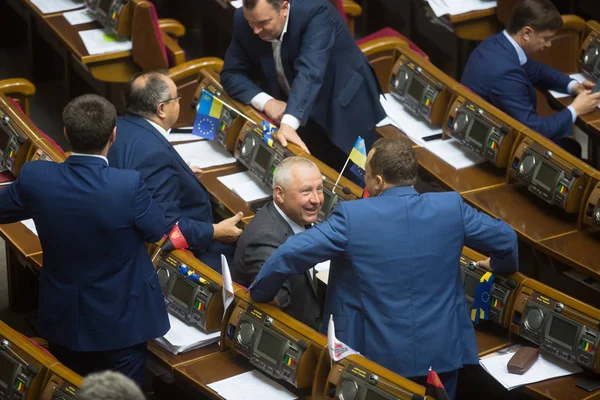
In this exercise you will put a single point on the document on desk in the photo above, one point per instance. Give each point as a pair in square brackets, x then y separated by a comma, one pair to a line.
[546, 367]
[79, 17]
[204, 154]
[29, 224]
[247, 186]
[97, 41]
[56, 6]
[252, 385]
[455, 7]
[183, 137]
[453, 153]
[182, 337]
[414, 128]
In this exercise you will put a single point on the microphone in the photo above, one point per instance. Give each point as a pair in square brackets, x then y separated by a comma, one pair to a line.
[345, 189]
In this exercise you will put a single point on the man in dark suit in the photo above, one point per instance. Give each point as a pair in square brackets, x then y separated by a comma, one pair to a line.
[100, 298]
[395, 290]
[153, 108]
[500, 70]
[297, 200]
[310, 72]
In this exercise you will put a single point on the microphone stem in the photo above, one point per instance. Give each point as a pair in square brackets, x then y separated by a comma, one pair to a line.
[340, 175]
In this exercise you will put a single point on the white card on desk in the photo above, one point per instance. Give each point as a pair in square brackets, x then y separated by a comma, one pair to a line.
[251, 385]
[56, 6]
[79, 17]
[204, 154]
[30, 225]
[246, 185]
[97, 41]
[413, 127]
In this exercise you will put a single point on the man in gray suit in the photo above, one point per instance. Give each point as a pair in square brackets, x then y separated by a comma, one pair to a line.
[297, 200]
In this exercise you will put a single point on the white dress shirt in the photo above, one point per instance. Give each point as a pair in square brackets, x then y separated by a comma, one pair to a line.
[260, 100]
[159, 128]
[90, 155]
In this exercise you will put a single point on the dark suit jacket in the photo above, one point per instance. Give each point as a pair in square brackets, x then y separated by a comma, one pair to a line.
[263, 235]
[395, 290]
[331, 80]
[494, 73]
[174, 187]
[98, 288]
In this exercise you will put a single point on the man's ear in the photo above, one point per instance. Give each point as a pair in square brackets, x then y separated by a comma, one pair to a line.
[113, 136]
[379, 183]
[160, 111]
[278, 194]
[66, 135]
[526, 32]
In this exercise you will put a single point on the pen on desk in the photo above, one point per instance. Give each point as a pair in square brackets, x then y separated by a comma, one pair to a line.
[432, 137]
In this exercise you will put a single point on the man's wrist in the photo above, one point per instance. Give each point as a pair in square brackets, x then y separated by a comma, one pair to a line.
[260, 100]
[290, 120]
[571, 86]
[573, 112]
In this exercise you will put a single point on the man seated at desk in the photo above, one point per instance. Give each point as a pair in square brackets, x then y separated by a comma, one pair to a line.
[100, 298]
[310, 72]
[395, 290]
[499, 71]
[297, 200]
[153, 108]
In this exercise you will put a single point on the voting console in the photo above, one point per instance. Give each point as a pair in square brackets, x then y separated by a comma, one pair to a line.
[415, 85]
[14, 145]
[62, 384]
[107, 12]
[550, 177]
[559, 324]
[590, 55]
[591, 217]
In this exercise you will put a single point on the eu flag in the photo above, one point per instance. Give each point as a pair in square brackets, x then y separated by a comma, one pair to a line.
[208, 116]
[358, 156]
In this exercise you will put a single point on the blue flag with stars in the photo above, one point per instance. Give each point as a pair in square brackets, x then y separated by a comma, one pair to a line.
[268, 131]
[207, 118]
[358, 156]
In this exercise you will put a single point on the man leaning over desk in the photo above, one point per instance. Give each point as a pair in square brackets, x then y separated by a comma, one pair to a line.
[310, 72]
[100, 298]
[395, 290]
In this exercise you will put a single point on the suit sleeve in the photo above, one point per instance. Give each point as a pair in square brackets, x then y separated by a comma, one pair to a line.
[491, 236]
[162, 180]
[301, 252]
[235, 76]
[511, 95]
[546, 77]
[149, 219]
[254, 257]
[12, 203]
[317, 41]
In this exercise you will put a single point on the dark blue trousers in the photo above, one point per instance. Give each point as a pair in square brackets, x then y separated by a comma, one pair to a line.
[130, 361]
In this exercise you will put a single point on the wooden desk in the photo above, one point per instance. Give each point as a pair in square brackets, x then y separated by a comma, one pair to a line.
[562, 388]
[491, 338]
[199, 374]
[21, 238]
[36, 261]
[171, 361]
[475, 25]
[576, 249]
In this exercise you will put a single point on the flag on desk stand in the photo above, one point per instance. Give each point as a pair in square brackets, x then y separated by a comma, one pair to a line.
[481, 299]
[337, 349]
[174, 241]
[227, 285]
[268, 129]
[208, 116]
[435, 388]
[358, 156]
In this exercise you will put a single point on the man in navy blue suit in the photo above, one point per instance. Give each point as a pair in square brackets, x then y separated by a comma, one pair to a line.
[310, 72]
[395, 290]
[500, 70]
[100, 298]
[153, 107]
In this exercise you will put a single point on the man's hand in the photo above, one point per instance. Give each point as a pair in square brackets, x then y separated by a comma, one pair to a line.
[580, 87]
[586, 102]
[485, 264]
[275, 110]
[196, 170]
[226, 231]
[286, 134]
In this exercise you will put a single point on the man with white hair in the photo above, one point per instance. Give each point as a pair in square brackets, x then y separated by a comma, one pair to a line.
[297, 200]
[108, 385]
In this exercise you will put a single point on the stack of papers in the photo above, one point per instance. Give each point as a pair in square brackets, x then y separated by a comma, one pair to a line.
[79, 17]
[30, 225]
[204, 154]
[247, 186]
[546, 367]
[182, 337]
[455, 7]
[251, 385]
[56, 6]
[97, 41]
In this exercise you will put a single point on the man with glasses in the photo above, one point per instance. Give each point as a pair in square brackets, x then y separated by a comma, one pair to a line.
[153, 108]
[313, 80]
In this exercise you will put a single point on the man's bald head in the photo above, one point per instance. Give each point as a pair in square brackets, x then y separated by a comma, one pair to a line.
[150, 95]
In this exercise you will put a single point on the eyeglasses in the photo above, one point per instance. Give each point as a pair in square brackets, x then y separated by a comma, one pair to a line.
[171, 99]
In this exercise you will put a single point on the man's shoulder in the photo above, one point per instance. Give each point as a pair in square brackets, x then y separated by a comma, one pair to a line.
[265, 226]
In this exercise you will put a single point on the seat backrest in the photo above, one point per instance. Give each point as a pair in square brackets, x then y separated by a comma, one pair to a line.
[149, 50]
[566, 44]
[504, 10]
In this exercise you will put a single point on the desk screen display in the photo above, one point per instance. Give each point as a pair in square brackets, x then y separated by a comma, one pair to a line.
[183, 290]
[263, 156]
[270, 346]
[416, 89]
[478, 133]
[3, 140]
[546, 175]
[105, 5]
[563, 331]
[470, 284]
[371, 395]
[7, 370]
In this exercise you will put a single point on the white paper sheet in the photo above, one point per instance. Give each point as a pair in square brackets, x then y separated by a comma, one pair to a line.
[578, 77]
[204, 154]
[227, 290]
[30, 225]
[55, 6]
[183, 137]
[414, 128]
[182, 337]
[453, 153]
[245, 185]
[546, 367]
[236, 3]
[323, 276]
[79, 17]
[251, 385]
[97, 41]
[455, 7]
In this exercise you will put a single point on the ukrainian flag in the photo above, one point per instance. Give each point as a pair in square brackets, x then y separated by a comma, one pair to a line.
[208, 116]
[358, 156]
[268, 131]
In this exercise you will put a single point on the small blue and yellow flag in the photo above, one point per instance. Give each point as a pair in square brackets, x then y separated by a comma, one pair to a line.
[481, 299]
[358, 156]
[208, 116]
[268, 130]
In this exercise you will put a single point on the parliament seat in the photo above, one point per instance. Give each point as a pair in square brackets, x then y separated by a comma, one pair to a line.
[383, 54]
[349, 10]
[20, 90]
